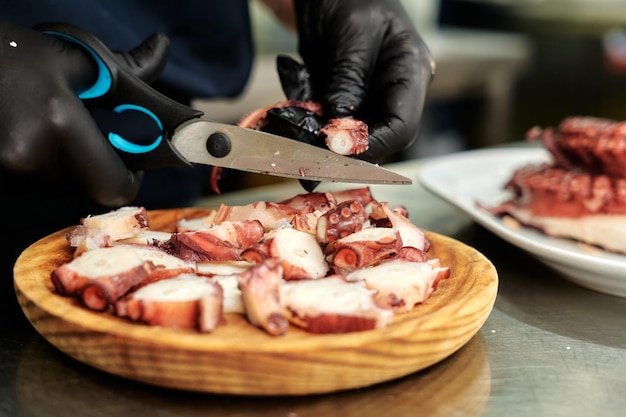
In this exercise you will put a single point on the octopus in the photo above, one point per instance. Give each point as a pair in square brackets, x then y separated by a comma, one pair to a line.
[100, 230]
[345, 219]
[587, 144]
[260, 291]
[222, 242]
[333, 305]
[364, 248]
[300, 254]
[101, 276]
[187, 301]
[400, 284]
[581, 193]
[301, 117]
[352, 268]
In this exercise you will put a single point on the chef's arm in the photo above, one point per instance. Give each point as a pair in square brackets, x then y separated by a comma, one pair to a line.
[283, 10]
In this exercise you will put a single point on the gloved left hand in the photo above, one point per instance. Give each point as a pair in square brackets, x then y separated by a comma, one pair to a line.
[367, 60]
[46, 133]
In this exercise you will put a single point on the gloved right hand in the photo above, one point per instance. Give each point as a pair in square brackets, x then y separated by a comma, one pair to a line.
[45, 131]
[367, 60]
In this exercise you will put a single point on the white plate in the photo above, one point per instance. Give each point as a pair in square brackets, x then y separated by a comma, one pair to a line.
[465, 178]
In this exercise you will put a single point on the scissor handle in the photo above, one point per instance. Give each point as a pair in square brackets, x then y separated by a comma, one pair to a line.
[119, 90]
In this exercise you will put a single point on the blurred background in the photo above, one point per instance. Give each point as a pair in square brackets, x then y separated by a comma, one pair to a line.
[503, 66]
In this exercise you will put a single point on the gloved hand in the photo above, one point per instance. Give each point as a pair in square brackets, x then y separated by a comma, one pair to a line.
[45, 131]
[367, 60]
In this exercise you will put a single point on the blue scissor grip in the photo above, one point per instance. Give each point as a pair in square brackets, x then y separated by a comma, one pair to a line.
[117, 89]
[101, 87]
[127, 146]
[104, 81]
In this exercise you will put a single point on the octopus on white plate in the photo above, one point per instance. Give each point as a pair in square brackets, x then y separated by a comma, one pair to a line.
[581, 193]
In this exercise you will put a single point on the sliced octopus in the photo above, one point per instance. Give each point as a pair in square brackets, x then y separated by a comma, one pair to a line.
[187, 301]
[330, 262]
[333, 305]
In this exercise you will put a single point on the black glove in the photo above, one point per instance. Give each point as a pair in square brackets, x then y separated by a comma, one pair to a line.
[45, 131]
[367, 60]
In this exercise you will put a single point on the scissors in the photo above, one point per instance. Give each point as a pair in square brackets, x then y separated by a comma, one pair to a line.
[183, 137]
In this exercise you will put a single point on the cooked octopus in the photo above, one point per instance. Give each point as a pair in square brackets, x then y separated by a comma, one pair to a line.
[581, 193]
[355, 264]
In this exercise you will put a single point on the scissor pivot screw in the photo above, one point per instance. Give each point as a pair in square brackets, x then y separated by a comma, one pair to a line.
[218, 144]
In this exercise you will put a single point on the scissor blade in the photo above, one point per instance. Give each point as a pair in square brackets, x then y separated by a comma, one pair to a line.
[205, 142]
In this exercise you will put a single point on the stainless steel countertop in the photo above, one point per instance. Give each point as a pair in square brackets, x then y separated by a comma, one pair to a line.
[549, 348]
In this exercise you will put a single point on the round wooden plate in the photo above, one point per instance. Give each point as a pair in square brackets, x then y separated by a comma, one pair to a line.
[238, 358]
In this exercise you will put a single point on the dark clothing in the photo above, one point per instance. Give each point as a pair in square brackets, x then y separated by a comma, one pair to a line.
[211, 47]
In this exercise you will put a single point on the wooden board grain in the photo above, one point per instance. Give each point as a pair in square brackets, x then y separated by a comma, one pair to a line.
[238, 358]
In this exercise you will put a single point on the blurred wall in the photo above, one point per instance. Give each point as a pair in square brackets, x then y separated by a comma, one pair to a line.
[273, 38]
[569, 74]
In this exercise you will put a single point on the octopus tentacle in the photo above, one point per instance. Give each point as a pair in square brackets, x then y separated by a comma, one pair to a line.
[314, 200]
[222, 242]
[260, 292]
[345, 136]
[185, 302]
[590, 144]
[346, 218]
[102, 275]
[364, 248]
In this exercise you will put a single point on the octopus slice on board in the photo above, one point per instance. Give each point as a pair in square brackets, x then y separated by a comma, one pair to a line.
[186, 302]
[166, 265]
[323, 201]
[261, 295]
[258, 252]
[222, 242]
[362, 194]
[411, 234]
[346, 218]
[400, 284]
[333, 305]
[101, 276]
[364, 248]
[307, 222]
[300, 254]
[102, 229]
[145, 238]
[231, 299]
[213, 268]
[411, 254]
[271, 215]
[189, 225]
